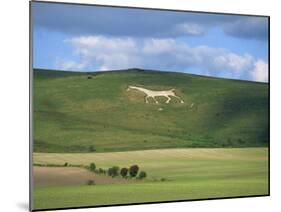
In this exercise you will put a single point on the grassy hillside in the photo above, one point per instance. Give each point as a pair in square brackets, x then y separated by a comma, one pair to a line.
[76, 114]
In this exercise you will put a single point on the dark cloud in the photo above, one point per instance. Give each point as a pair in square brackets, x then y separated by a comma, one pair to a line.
[252, 27]
[88, 20]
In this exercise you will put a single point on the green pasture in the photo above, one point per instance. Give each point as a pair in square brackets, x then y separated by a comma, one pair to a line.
[173, 174]
[75, 114]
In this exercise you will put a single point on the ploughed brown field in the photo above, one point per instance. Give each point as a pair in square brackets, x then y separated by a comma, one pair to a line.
[64, 176]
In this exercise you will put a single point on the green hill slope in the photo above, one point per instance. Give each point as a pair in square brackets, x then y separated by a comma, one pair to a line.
[75, 114]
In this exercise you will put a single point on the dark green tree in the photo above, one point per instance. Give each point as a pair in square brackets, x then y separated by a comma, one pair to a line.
[124, 172]
[113, 171]
[142, 175]
[133, 170]
[92, 167]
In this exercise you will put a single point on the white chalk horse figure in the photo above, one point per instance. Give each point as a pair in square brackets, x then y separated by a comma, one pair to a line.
[149, 93]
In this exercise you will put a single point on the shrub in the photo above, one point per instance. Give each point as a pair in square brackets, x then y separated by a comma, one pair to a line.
[142, 175]
[109, 172]
[104, 171]
[91, 182]
[240, 141]
[92, 149]
[92, 167]
[113, 171]
[124, 172]
[65, 164]
[133, 171]
[100, 171]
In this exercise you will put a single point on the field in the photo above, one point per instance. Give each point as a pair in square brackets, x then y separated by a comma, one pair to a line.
[62, 176]
[174, 174]
[215, 144]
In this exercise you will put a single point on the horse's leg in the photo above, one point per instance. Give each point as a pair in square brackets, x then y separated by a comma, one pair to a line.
[168, 99]
[179, 98]
[146, 99]
[155, 99]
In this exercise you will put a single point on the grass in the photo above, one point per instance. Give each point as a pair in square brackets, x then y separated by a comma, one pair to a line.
[79, 121]
[78, 196]
[189, 174]
[76, 114]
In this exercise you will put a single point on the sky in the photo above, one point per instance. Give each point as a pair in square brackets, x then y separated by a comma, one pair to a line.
[95, 38]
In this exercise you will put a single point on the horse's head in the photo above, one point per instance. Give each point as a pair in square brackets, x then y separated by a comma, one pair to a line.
[129, 88]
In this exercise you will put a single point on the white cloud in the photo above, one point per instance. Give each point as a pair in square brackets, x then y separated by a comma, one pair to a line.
[111, 53]
[102, 53]
[190, 29]
[157, 46]
[70, 65]
[102, 42]
[260, 71]
[234, 62]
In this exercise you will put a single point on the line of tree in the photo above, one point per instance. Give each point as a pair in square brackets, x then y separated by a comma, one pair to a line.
[132, 171]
